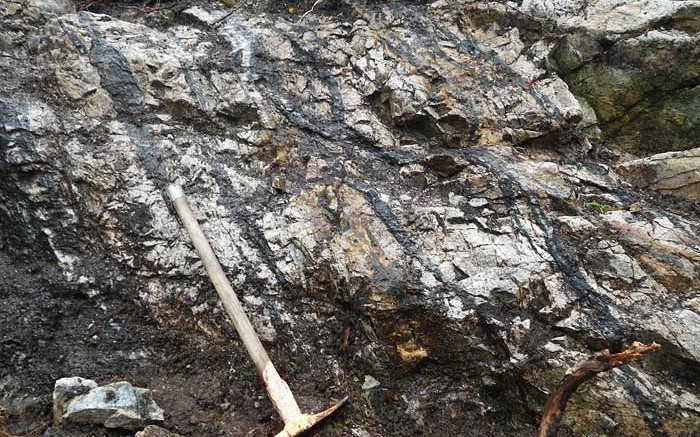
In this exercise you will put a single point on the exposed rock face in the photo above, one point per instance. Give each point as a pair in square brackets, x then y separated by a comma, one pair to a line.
[117, 405]
[395, 190]
[637, 63]
[676, 173]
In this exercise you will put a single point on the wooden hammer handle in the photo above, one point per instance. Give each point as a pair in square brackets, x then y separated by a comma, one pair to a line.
[277, 389]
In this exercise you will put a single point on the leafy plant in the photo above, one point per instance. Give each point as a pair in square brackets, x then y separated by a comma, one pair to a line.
[600, 208]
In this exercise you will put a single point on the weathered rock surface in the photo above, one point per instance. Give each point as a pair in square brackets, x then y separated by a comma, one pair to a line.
[117, 405]
[637, 63]
[395, 189]
[675, 173]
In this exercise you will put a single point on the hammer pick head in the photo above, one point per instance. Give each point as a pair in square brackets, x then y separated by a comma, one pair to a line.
[304, 422]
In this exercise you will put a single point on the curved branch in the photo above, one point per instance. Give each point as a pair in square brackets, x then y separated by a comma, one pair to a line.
[579, 374]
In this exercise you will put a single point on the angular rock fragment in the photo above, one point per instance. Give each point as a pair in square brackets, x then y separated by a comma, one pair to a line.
[116, 405]
[66, 389]
[370, 383]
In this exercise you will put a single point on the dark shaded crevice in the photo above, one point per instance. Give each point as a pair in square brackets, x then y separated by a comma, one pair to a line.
[485, 313]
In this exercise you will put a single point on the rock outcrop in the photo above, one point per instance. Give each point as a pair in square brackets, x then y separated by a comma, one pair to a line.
[395, 189]
[637, 63]
[674, 173]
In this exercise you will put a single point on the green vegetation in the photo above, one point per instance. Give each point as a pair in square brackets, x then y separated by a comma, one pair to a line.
[600, 208]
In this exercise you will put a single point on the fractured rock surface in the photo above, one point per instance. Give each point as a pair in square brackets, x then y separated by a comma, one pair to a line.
[155, 431]
[395, 189]
[676, 173]
[637, 63]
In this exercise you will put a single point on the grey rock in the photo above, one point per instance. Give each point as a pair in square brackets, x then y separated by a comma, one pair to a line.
[117, 405]
[53, 6]
[639, 77]
[607, 15]
[370, 382]
[203, 16]
[66, 389]
[576, 223]
[359, 432]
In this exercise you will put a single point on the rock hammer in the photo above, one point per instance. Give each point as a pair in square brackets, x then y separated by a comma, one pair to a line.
[295, 422]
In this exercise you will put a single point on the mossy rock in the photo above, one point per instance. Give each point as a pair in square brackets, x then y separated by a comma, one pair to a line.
[644, 90]
[671, 124]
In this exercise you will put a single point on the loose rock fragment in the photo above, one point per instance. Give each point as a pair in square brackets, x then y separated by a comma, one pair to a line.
[370, 383]
[117, 405]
